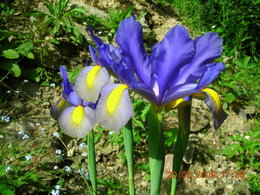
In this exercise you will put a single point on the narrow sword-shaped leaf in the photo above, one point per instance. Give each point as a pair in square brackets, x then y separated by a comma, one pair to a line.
[184, 114]
[156, 149]
[128, 142]
[92, 161]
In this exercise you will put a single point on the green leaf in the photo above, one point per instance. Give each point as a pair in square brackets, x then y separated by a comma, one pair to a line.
[54, 41]
[75, 11]
[156, 148]
[92, 161]
[138, 123]
[30, 55]
[184, 115]
[145, 112]
[6, 189]
[12, 66]
[127, 12]
[73, 74]
[25, 50]
[56, 28]
[10, 54]
[128, 143]
[230, 97]
[15, 70]
[2, 170]
[4, 34]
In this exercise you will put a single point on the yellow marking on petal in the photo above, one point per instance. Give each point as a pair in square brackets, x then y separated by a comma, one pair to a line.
[91, 76]
[61, 104]
[77, 115]
[114, 98]
[214, 95]
[176, 104]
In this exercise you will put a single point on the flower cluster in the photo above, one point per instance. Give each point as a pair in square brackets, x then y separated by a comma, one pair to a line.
[5, 118]
[56, 190]
[24, 135]
[177, 70]
[75, 110]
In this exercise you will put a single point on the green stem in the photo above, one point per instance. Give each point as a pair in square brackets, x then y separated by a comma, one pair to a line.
[128, 142]
[92, 161]
[184, 114]
[156, 149]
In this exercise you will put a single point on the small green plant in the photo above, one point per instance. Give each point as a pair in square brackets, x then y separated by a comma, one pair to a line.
[240, 82]
[254, 181]
[12, 52]
[113, 20]
[15, 160]
[170, 137]
[112, 186]
[5, 13]
[244, 149]
[60, 19]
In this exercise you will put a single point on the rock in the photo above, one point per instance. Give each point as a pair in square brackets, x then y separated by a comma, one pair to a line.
[200, 116]
[234, 123]
[46, 104]
[250, 110]
[242, 114]
[17, 104]
[188, 156]
[30, 89]
[90, 9]
[28, 124]
[160, 30]
[167, 166]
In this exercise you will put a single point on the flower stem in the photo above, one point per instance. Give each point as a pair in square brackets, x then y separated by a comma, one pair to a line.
[184, 114]
[128, 142]
[156, 149]
[92, 161]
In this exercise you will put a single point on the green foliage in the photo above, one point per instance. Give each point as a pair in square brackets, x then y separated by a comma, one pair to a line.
[72, 74]
[240, 82]
[16, 175]
[60, 19]
[236, 21]
[12, 51]
[170, 137]
[113, 20]
[5, 13]
[254, 181]
[112, 186]
[6, 189]
[244, 149]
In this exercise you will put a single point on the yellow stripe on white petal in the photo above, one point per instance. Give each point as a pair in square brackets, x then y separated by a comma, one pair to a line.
[213, 102]
[77, 115]
[77, 122]
[90, 81]
[114, 98]
[92, 75]
[114, 108]
[176, 104]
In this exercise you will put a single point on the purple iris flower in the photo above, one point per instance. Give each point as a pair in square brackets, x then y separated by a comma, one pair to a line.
[178, 67]
[75, 116]
[173, 68]
[107, 53]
